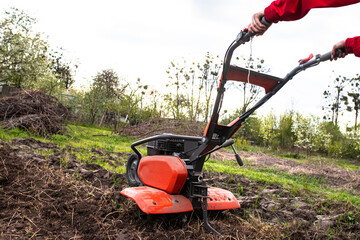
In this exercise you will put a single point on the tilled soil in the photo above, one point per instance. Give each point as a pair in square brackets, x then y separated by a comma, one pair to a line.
[333, 176]
[41, 197]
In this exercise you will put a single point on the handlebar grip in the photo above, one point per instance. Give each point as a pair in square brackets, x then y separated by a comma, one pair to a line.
[264, 21]
[327, 56]
[248, 35]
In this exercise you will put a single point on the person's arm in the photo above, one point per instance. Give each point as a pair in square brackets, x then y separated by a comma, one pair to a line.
[350, 45]
[290, 10]
[339, 45]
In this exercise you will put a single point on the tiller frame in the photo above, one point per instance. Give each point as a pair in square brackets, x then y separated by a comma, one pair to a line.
[170, 178]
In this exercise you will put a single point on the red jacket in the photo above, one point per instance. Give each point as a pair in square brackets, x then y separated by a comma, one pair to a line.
[289, 10]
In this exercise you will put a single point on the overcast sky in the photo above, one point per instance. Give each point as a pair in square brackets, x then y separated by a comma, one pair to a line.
[139, 38]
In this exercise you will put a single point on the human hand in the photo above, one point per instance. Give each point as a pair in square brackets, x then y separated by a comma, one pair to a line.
[340, 45]
[256, 26]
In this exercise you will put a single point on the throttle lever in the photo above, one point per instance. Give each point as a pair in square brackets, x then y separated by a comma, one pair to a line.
[305, 60]
[237, 156]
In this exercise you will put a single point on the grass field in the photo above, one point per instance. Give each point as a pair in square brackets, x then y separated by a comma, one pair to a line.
[282, 195]
[85, 139]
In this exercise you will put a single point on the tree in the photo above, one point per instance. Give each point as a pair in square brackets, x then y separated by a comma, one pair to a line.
[177, 83]
[23, 53]
[63, 71]
[105, 94]
[95, 102]
[107, 82]
[133, 103]
[268, 130]
[335, 98]
[209, 80]
[285, 130]
[306, 132]
[354, 95]
[328, 135]
[191, 87]
[249, 130]
[194, 108]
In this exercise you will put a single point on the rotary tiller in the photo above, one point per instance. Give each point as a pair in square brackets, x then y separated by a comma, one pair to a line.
[170, 178]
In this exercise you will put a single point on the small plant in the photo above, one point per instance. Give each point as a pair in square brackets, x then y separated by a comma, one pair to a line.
[63, 162]
[257, 203]
[349, 217]
[115, 204]
[240, 190]
[109, 148]
[116, 181]
[231, 181]
[59, 138]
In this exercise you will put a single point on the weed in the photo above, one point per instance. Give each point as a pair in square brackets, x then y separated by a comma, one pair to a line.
[115, 204]
[59, 138]
[231, 181]
[257, 203]
[240, 190]
[349, 217]
[109, 148]
[63, 162]
[331, 233]
[3, 135]
[116, 181]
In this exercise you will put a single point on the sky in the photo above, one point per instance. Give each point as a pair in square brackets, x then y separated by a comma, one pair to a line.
[139, 39]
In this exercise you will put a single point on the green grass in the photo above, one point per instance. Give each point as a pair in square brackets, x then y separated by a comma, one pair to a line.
[266, 175]
[93, 137]
[84, 139]
[295, 183]
[13, 133]
[313, 159]
[78, 137]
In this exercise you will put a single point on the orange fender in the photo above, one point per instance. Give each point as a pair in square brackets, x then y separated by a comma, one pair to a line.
[154, 201]
[221, 199]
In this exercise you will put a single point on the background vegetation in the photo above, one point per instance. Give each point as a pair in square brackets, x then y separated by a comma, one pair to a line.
[27, 61]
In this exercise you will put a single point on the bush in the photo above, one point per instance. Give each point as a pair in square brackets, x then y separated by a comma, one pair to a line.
[334, 150]
[250, 130]
[350, 148]
[242, 144]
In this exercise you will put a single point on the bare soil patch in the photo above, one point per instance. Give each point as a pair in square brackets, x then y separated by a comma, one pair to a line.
[337, 178]
[43, 198]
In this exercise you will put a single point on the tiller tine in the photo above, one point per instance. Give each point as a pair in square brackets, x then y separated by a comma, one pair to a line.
[204, 208]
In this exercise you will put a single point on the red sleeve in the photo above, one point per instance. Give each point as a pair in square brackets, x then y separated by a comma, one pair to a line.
[289, 10]
[352, 45]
